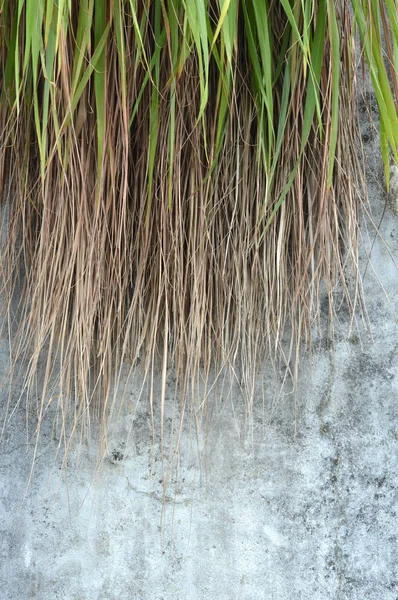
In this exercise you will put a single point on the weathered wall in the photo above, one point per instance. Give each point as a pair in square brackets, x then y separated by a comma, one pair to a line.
[272, 514]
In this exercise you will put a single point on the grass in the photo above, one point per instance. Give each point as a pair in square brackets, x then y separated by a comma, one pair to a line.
[183, 182]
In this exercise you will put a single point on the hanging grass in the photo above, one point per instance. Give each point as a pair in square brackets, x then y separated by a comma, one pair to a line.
[182, 183]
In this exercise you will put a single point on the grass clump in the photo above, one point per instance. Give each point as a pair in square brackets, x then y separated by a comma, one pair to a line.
[182, 181]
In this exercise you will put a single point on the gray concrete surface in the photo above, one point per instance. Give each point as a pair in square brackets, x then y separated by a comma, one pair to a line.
[299, 502]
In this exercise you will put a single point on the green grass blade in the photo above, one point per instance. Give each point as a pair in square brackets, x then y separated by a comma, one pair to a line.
[312, 102]
[100, 85]
[334, 38]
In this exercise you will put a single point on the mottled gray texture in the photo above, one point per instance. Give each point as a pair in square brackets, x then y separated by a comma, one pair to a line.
[297, 503]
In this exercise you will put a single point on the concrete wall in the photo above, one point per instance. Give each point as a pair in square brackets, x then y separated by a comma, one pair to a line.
[298, 502]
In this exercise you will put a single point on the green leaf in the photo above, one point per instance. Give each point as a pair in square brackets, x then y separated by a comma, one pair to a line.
[334, 38]
[100, 85]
